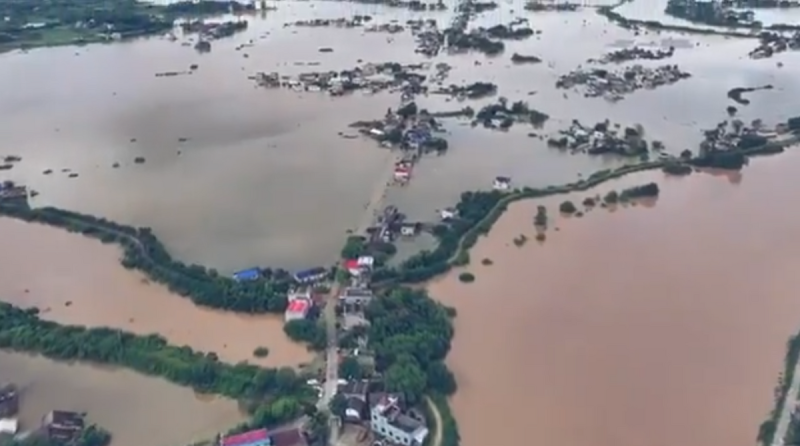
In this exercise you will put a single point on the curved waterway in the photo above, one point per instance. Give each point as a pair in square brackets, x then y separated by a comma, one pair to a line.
[662, 324]
[136, 409]
[78, 280]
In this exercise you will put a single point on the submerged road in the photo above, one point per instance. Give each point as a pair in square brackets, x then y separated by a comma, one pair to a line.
[371, 210]
[785, 417]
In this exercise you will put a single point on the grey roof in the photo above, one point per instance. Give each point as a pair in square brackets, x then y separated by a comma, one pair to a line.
[406, 423]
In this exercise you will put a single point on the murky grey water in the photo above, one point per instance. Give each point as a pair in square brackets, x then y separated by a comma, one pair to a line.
[264, 178]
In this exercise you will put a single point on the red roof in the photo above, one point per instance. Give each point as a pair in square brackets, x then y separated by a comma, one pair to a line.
[296, 305]
[351, 264]
[246, 438]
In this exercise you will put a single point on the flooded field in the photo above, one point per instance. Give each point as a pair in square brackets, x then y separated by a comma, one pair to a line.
[663, 322]
[259, 167]
[77, 280]
[137, 410]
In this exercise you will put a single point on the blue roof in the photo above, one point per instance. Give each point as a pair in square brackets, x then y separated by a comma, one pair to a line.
[247, 274]
[308, 273]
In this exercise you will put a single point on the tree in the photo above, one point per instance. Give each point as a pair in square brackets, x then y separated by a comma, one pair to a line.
[441, 379]
[338, 405]
[351, 369]
[406, 377]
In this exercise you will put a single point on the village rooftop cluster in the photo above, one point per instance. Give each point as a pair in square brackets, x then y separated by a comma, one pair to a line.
[615, 85]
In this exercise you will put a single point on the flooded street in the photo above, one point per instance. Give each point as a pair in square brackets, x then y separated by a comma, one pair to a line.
[77, 280]
[665, 323]
[259, 167]
[136, 409]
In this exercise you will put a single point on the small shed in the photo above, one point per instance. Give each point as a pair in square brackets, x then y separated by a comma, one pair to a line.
[247, 275]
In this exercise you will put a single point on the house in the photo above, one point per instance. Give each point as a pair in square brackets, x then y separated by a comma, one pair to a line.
[409, 229]
[294, 295]
[258, 437]
[352, 267]
[355, 393]
[448, 213]
[247, 275]
[62, 425]
[9, 400]
[8, 426]
[502, 183]
[356, 296]
[366, 261]
[297, 309]
[289, 437]
[311, 275]
[390, 421]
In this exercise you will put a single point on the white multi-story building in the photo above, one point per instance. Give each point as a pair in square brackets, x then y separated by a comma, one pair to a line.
[388, 420]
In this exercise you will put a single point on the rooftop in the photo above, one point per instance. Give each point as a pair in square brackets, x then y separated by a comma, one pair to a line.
[245, 438]
[298, 305]
[311, 272]
[355, 388]
[64, 419]
[291, 437]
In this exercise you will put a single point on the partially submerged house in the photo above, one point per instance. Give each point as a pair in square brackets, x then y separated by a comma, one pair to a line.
[63, 426]
[355, 393]
[9, 400]
[246, 275]
[502, 183]
[356, 296]
[311, 275]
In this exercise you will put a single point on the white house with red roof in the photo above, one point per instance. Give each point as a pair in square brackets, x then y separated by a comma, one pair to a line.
[258, 437]
[297, 309]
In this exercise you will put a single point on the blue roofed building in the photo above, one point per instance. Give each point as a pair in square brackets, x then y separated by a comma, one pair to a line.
[247, 275]
[311, 275]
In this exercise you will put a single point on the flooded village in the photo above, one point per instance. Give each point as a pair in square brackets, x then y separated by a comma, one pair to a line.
[221, 213]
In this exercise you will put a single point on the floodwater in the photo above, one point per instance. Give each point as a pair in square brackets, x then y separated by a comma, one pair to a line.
[661, 324]
[263, 177]
[136, 409]
[78, 280]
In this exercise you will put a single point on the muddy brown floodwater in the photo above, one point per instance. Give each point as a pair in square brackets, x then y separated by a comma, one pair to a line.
[77, 280]
[136, 409]
[663, 325]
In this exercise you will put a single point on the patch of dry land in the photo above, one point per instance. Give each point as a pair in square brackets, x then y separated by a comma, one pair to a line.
[660, 325]
[78, 280]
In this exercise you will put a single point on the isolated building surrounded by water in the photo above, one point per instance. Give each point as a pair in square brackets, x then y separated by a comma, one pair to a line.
[62, 425]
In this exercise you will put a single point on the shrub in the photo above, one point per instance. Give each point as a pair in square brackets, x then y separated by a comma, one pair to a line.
[466, 277]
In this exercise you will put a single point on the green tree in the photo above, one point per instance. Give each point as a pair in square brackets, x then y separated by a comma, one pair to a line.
[351, 369]
[406, 377]
[338, 405]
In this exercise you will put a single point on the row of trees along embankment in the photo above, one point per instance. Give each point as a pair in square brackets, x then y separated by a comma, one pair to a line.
[143, 251]
[271, 396]
[478, 211]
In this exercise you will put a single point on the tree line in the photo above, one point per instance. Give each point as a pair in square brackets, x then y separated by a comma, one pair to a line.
[143, 251]
[271, 395]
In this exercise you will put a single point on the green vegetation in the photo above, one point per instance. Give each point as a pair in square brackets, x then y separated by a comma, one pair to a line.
[92, 435]
[354, 247]
[449, 427]
[766, 432]
[520, 240]
[261, 352]
[612, 197]
[34, 23]
[648, 190]
[410, 334]
[271, 395]
[676, 168]
[307, 330]
[143, 251]
[567, 207]
[466, 277]
[589, 202]
[487, 262]
[540, 237]
[351, 369]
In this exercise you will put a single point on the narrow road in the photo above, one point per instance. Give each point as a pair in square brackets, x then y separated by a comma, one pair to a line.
[437, 436]
[332, 354]
[789, 402]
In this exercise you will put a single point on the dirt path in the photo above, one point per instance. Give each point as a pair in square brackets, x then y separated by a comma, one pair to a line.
[437, 435]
